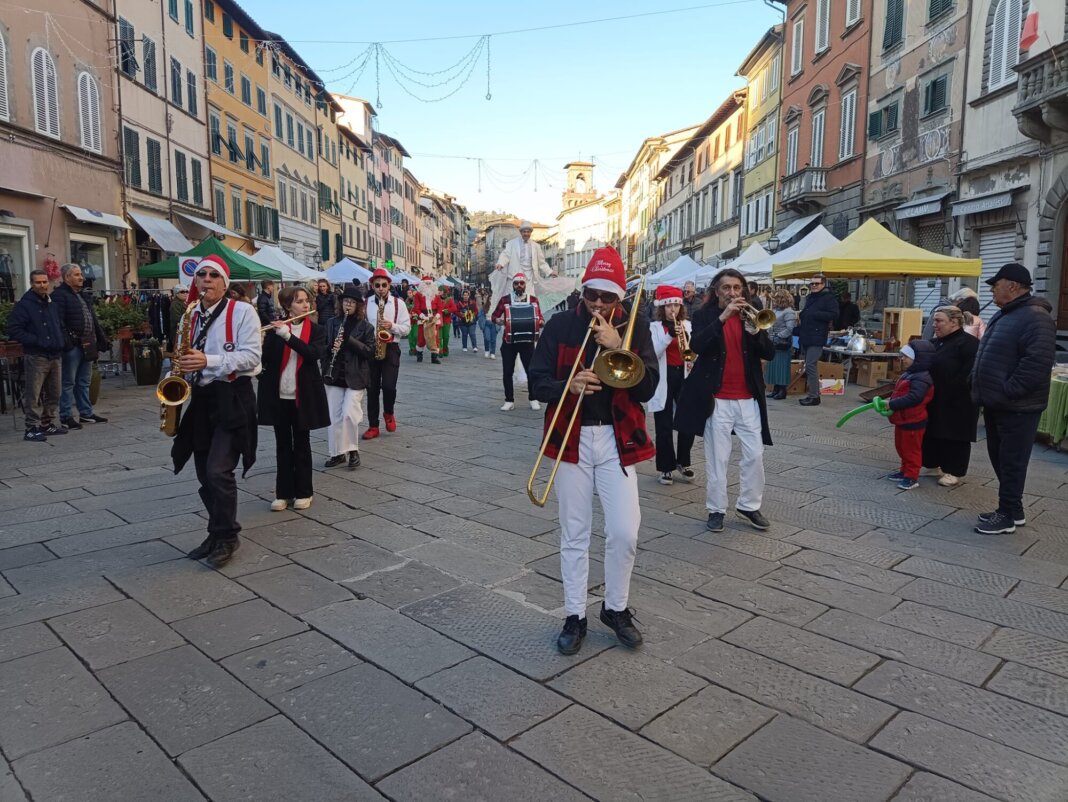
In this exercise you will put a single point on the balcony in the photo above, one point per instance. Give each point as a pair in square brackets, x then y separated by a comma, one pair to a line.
[804, 187]
[1042, 94]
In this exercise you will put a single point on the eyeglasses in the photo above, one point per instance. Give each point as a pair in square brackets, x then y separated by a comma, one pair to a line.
[183, 292]
[380, 285]
[208, 274]
[815, 283]
[604, 297]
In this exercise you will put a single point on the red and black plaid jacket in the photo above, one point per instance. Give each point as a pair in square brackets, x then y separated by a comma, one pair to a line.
[553, 358]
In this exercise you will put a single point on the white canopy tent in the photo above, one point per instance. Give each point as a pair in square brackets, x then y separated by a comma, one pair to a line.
[346, 271]
[754, 254]
[291, 270]
[812, 244]
[677, 273]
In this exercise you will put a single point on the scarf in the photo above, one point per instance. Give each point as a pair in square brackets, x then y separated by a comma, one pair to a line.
[304, 335]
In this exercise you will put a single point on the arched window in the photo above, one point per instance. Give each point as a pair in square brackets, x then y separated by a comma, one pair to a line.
[5, 108]
[89, 111]
[1005, 22]
[45, 94]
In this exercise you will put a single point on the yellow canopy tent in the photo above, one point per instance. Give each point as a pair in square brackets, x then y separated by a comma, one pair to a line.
[873, 251]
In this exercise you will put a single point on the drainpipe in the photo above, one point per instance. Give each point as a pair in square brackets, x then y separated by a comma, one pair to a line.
[167, 113]
[121, 147]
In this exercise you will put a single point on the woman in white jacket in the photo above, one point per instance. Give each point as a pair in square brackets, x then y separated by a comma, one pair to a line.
[669, 317]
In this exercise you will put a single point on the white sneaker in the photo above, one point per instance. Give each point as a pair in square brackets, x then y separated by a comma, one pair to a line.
[507, 406]
[302, 503]
[949, 480]
[486, 354]
[465, 350]
[279, 504]
[474, 350]
[535, 405]
[493, 356]
[932, 471]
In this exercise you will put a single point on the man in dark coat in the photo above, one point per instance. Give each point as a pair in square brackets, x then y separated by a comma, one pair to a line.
[817, 316]
[265, 307]
[1010, 381]
[85, 341]
[724, 393]
[34, 324]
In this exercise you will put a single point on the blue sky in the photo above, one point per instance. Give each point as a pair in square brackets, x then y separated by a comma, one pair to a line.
[590, 91]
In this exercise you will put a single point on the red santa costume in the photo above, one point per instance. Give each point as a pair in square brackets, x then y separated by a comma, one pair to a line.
[427, 311]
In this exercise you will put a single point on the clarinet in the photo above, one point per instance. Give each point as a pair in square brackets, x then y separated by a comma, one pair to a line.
[335, 349]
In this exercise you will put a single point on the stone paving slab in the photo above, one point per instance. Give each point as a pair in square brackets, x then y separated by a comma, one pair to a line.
[26, 640]
[117, 764]
[383, 533]
[550, 567]
[179, 589]
[404, 584]
[850, 549]
[54, 601]
[925, 787]
[97, 563]
[1032, 650]
[114, 633]
[972, 761]
[791, 761]
[970, 578]
[348, 560]
[49, 698]
[297, 534]
[19, 556]
[16, 534]
[536, 590]
[715, 558]
[391, 726]
[296, 590]
[273, 761]
[829, 706]
[233, 629]
[289, 663]
[1041, 595]
[1033, 686]
[760, 600]
[682, 607]
[126, 534]
[831, 592]
[846, 570]
[970, 633]
[183, 699]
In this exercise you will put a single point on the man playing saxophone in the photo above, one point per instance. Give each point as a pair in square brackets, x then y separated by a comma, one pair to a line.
[392, 322]
[219, 426]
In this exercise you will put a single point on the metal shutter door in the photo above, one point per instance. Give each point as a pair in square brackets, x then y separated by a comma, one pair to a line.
[996, 247]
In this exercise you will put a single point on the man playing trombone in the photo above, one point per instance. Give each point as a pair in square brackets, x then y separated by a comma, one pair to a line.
[725, 392]
[603, 447]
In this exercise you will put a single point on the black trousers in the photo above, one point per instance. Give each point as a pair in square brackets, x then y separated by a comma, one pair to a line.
[667, 459]
[292, 448]
[1009, 439]
[952, 456]
[218, 484]
[384, 374]
[509, 351]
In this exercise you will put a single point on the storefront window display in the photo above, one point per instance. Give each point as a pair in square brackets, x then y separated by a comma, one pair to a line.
[92, 254]
[14, 262]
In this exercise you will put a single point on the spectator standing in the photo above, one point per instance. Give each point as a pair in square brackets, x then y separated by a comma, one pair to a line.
[265, 307]
[85, 341]
[34, 324]
[951, 415]
[782, 337]
[817, 315]
[908, 405]
[325, 302]
[690, 299]
[485, 321]
[967, 302]
[177, 309]
[848, 312]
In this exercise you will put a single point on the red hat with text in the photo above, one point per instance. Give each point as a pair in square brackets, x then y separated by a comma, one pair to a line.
[605, 272]
[381, 272]
[666, 294]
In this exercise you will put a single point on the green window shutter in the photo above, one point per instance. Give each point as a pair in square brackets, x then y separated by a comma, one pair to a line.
[927, 94]
[338, 245]
[875, 124]
[180, 177]
[198, 183]
[250, 216]
[324, 235]
[274, 224]
[938, 93]
[155, 167]
[892, 30]
[891, 117]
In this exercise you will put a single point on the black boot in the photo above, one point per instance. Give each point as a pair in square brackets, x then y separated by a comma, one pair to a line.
[434, 359]
[223, 552]
[570, 640]
[619, 621]
[203, 550]
[354, 460]
[418, 356]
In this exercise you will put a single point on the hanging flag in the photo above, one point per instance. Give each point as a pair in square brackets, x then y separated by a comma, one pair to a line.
[1029, 35]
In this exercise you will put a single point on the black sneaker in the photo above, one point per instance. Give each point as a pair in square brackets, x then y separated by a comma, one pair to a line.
[619, 621]
[203, 550]
[987, 517]
[92, 419]
[715, 522]
[686, 472]
[755, 518]
[333, 462]
[809, 401]
[999, 524]
[35, 435]
[418, 356]
[52, 429]
[223, 552]
[354, 460]
[570, 639]
[70, 423]
[434, 359]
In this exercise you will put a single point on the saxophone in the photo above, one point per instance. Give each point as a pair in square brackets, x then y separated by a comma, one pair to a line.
[173, 390]
[335, 349]
[382, 331]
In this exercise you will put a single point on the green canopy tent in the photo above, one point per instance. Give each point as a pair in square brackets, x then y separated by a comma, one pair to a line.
[242, 268]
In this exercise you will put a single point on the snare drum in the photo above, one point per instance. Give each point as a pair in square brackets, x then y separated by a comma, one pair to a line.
[520, 323]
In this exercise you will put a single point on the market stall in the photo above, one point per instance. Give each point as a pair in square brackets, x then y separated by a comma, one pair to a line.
[346, 271]
[182, 267]
[291, 270]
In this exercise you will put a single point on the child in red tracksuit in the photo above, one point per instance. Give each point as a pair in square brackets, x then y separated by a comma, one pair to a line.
[908, 407]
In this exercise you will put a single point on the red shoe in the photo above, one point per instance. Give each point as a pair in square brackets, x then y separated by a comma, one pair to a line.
[371, 433]
[391, 422]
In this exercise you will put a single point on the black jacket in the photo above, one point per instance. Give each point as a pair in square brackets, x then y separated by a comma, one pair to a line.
[1015, 356]
[848, 315]
[325, 306]
[312, 409]
[819, 312]
[951, 415]
[265, 308]
[351, 368]
[699, 388]
[72, 318]
[34, 322]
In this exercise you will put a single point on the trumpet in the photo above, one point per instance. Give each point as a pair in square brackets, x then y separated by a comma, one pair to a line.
[619, 368]
[301, 316]
[762, 319]
[684, 342]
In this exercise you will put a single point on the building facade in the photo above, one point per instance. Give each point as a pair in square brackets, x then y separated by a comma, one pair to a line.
[762, 71]
[582, 225]
[353, 154]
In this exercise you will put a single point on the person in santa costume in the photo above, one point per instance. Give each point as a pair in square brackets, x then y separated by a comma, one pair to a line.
[605, 445]
[427, 310]
[292, 398]
[669, 320]
[510, 350]
[219, 425]
[387, 312]
[346, 374]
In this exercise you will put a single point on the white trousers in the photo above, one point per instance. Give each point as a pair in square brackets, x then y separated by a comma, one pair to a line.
[743, 418]
[598, 468]
[346, 413]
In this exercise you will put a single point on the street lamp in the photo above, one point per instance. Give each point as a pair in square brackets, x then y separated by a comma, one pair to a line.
[773, 244]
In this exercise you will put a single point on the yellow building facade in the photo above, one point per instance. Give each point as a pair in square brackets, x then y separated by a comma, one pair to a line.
[762, 70]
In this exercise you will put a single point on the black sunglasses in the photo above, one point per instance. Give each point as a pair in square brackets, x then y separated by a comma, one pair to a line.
[380, 284]
[592, 295]
[208, 273]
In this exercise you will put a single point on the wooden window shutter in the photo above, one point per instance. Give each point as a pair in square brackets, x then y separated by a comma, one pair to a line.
[149, 59]
[198, 183]
[274, 224]
[891, 117]
[180, 176]
[5, 105]
[131, 148]
[895, 14]
[875, 124]
[155, 167]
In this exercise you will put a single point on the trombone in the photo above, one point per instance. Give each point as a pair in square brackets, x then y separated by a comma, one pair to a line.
[619, 368]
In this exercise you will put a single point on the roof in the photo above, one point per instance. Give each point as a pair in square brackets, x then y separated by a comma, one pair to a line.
[367, 103]
[294, 56]
[243, 19]
[769, 39]
[349, 134]
[391, 142]
[646, 141]
[719, 116]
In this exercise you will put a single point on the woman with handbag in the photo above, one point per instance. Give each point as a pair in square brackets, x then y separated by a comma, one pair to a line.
[777, 372]
[292, 398]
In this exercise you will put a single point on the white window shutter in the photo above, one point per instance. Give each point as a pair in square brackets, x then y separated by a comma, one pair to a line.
[823, 24]
[89, 112]
[5, 107]
[997, 45]
[816, 155]
[45, 95]
[797, 53]
[852, 11]
[848, 125]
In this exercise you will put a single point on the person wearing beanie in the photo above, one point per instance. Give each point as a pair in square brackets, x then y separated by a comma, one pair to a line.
[427, 310]
[724, 394]
[350, 347]
[670, 319]
[908, 405]
[389, 314]
[219, 425]
[516, 344]
[605, 445]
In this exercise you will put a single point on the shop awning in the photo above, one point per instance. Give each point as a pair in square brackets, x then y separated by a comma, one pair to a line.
[984, 203]
[211, 226]
[918, 207]
[163, 232]
[94, 217]
[242, 268]
[796, 228]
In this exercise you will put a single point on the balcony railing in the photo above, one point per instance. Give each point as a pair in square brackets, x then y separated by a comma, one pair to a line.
[804, 186]
[1042, 94]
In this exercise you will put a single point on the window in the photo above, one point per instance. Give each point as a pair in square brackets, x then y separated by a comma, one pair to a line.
[191, 92]
[934, 94]
[300, 138]
[228, 76]
[246, 91]
[211, 64]
[215, 135]
[771, 124]
[231, 143]
[853, 11]
[89, 112]
[265, 159]
[261, 100]
[235, 208]
[189, 17]
[155, 167]
[228, 26]
[797, 48]
[5, 108]
[250, 152]
[816, 156]
[181, 180]
[303, 206]
[127, 59]
[282, 196]
[936, 8]
[45, 94]
[131, 154]
[198, 183]
[172, 9]
[847, 125]
[243, 38]
[148, 60]
[1007, 17]
[209, 11]
[823, 25]
[176, 82]
[289, 130]
[883, 121]
[776, 66]
[791, 150]
[893, 29]
[220, 205]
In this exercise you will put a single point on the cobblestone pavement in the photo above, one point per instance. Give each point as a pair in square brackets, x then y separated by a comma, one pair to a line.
[396, 640]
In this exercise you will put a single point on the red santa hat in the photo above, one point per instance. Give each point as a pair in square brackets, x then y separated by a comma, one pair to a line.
[605, 272]
[428, 279]
[210, 262]
[666, 294]
[381, 272]
[519, 277]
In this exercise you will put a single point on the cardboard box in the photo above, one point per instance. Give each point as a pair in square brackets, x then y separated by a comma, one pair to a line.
[797, 385]
[832, 386]
[831, 370]
[870, 373]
